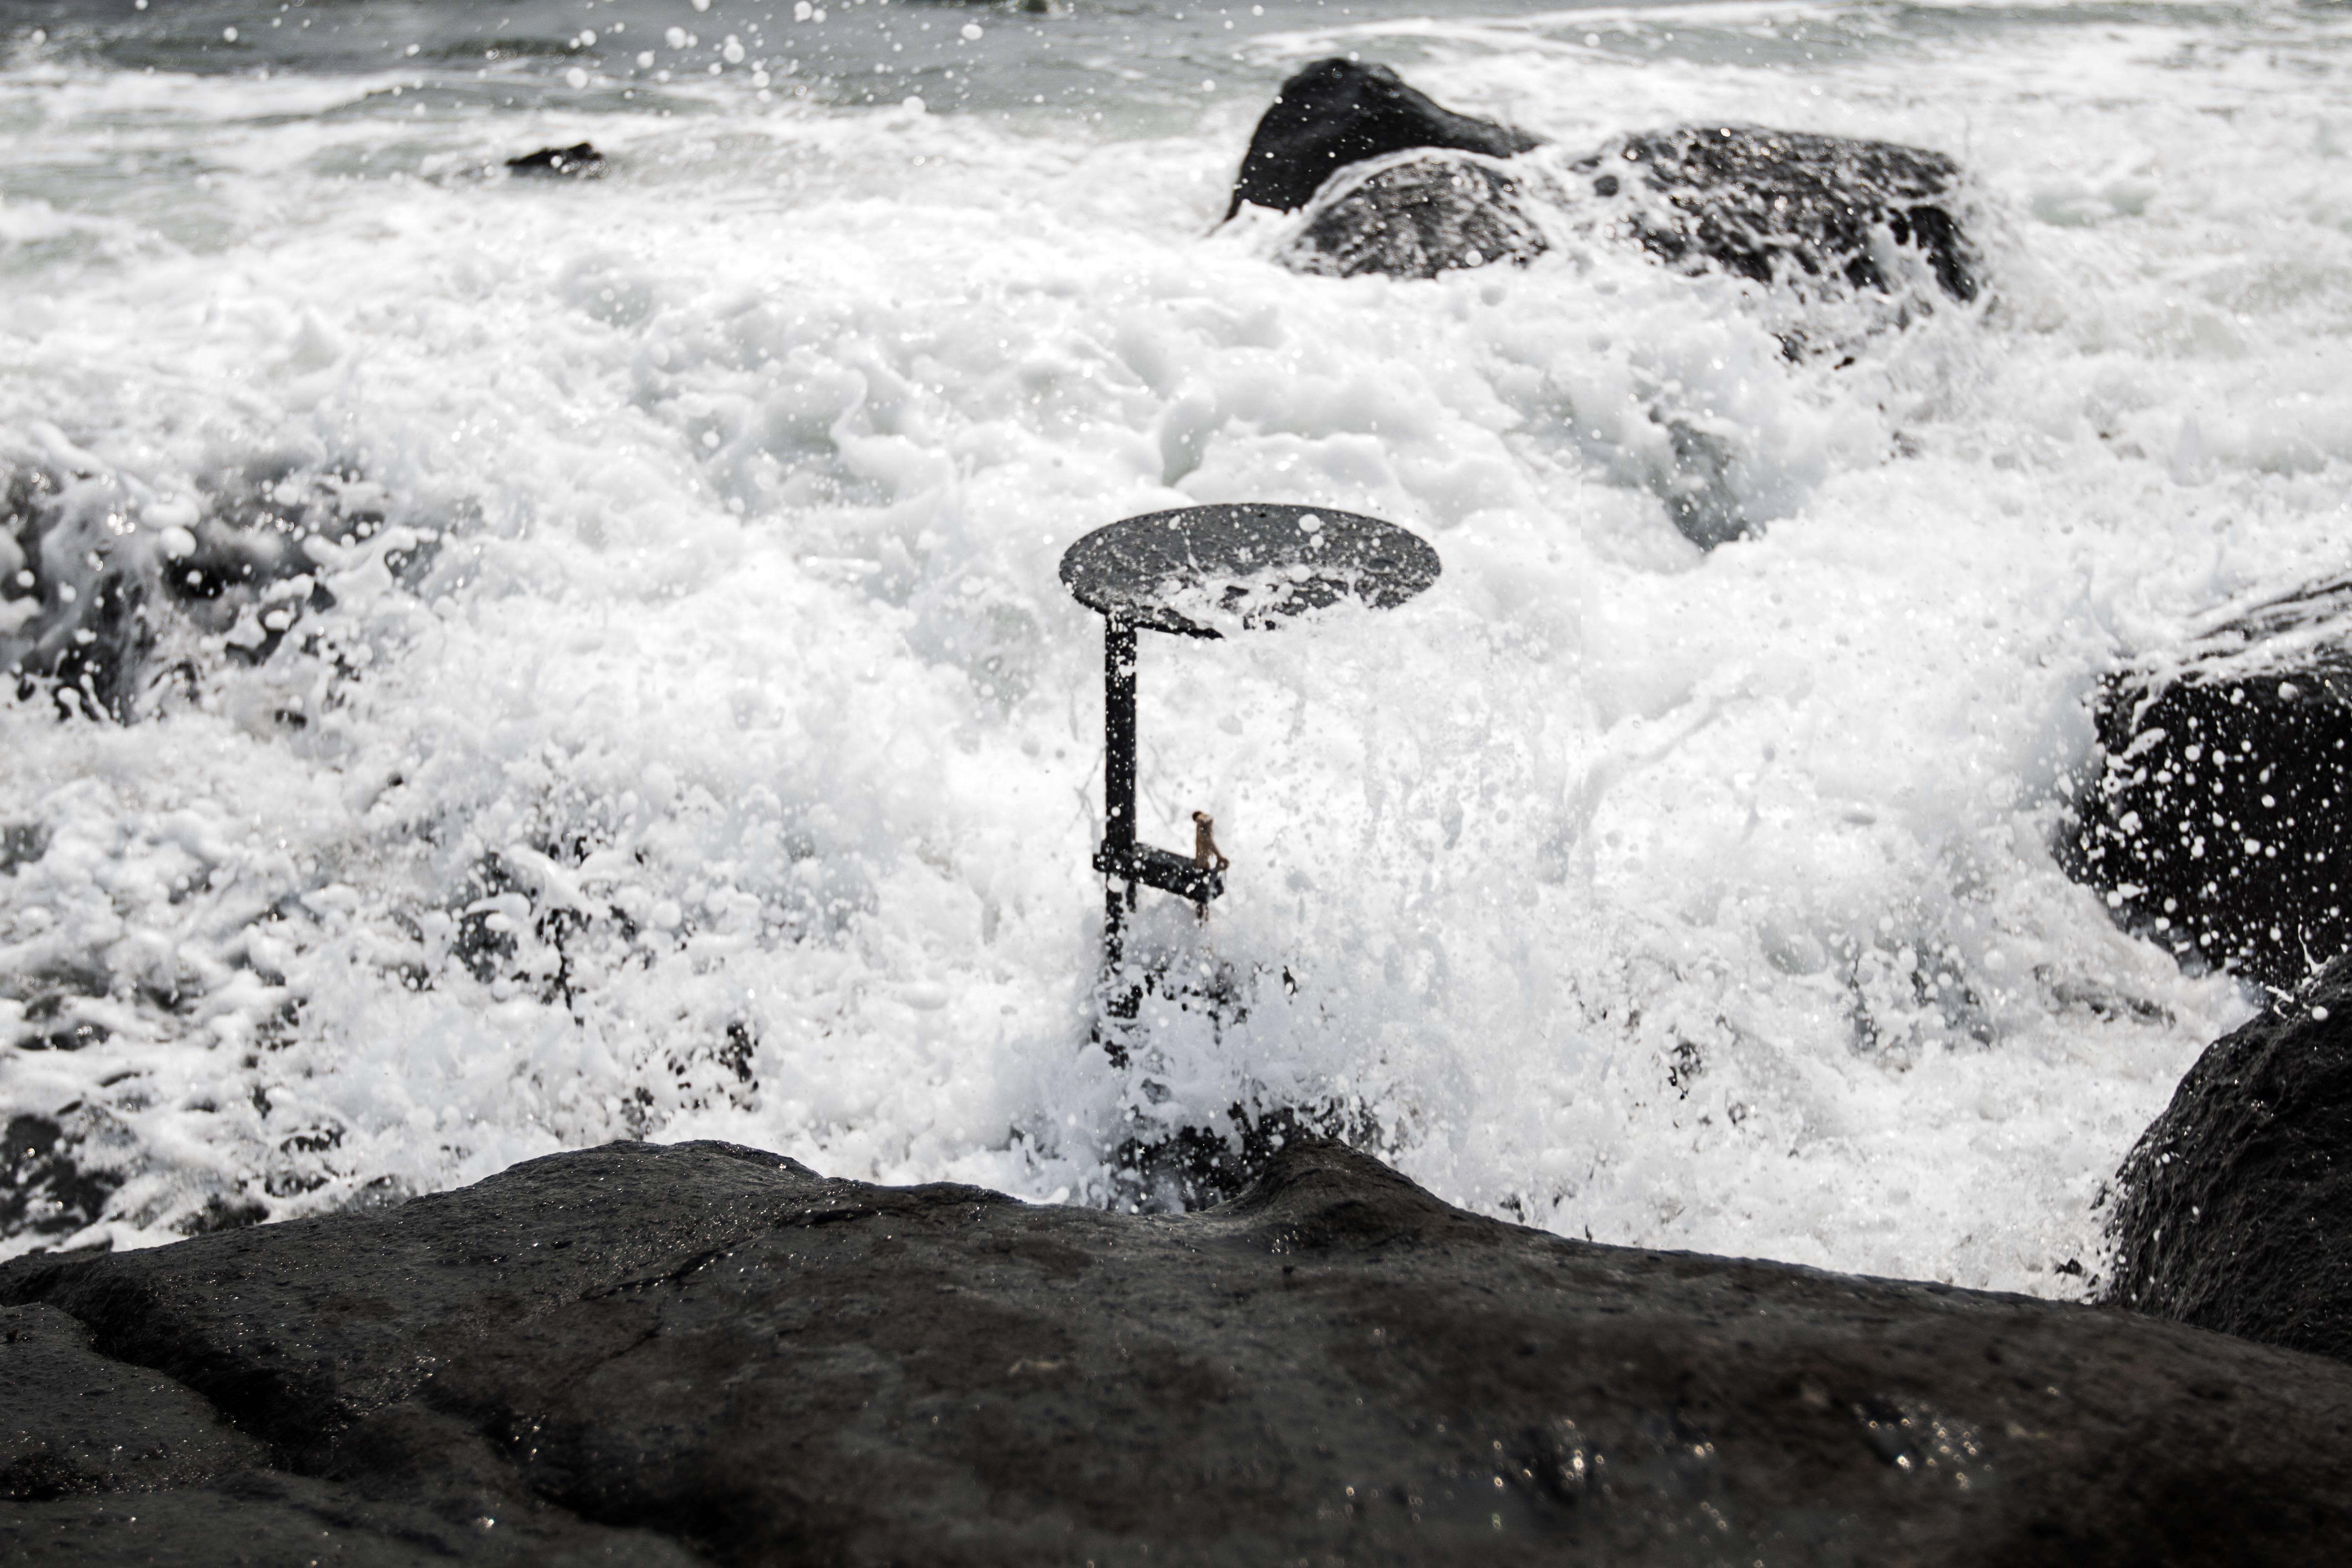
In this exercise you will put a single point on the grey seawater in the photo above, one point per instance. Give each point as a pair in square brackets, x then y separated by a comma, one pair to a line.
[653, 712]
[1135, 63]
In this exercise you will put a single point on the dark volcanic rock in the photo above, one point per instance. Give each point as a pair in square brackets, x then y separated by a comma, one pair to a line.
[2237, 1204]
[1824, 217]
[2218, 821]
[638, 1351]
[1336, 112]
[581, 158]
[109, 1462]
[1820, 213]
[1422, 213]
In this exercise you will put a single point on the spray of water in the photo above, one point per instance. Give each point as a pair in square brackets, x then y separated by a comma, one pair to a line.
[569, 661]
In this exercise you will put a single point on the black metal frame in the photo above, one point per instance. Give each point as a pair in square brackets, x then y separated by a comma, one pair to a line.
[1259, 563]
[1120, 858]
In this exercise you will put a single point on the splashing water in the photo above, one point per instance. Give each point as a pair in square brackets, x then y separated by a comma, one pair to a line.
[517, 663]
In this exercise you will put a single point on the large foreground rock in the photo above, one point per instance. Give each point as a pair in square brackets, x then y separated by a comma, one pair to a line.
[2236, 1211]
[704, 1353]
[2219, 822]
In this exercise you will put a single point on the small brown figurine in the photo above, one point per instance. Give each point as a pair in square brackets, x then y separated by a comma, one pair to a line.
[1205, 855]
[1204, 843]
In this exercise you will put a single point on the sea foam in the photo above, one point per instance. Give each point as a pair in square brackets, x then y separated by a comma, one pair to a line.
[684, 733]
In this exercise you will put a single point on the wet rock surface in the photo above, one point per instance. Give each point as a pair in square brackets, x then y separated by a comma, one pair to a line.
[1823, 217]
[2236, 1211]
[706, 1352]
[1823, 214]
[1420, 215]
[2217, 823]
[1336, 112]
[579, 161]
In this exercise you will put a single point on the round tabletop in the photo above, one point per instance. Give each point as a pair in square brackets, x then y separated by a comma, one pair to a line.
[1204, 570]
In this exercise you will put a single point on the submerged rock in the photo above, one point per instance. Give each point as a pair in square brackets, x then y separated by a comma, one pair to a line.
[709, 1354]
[1824, 215]
[2220, 820]
[1191, 1140]
[2236, 1211]
[113, 599]
[72, 616]
[1416, 216]
[579, 159]
[1336, 112]
[43, 1191]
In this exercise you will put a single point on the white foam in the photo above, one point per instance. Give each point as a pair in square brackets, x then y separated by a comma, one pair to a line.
[1692, 902]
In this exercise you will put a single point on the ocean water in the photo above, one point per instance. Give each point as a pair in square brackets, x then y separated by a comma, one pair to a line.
[605, 676]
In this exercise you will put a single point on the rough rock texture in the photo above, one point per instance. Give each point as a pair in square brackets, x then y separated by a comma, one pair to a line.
[705, 1352]
[1416, 216]
[1824, 217]
[2237, 1204]
[2218, 823]
[109, 1462]
[1336, 112]
[1823, 214]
